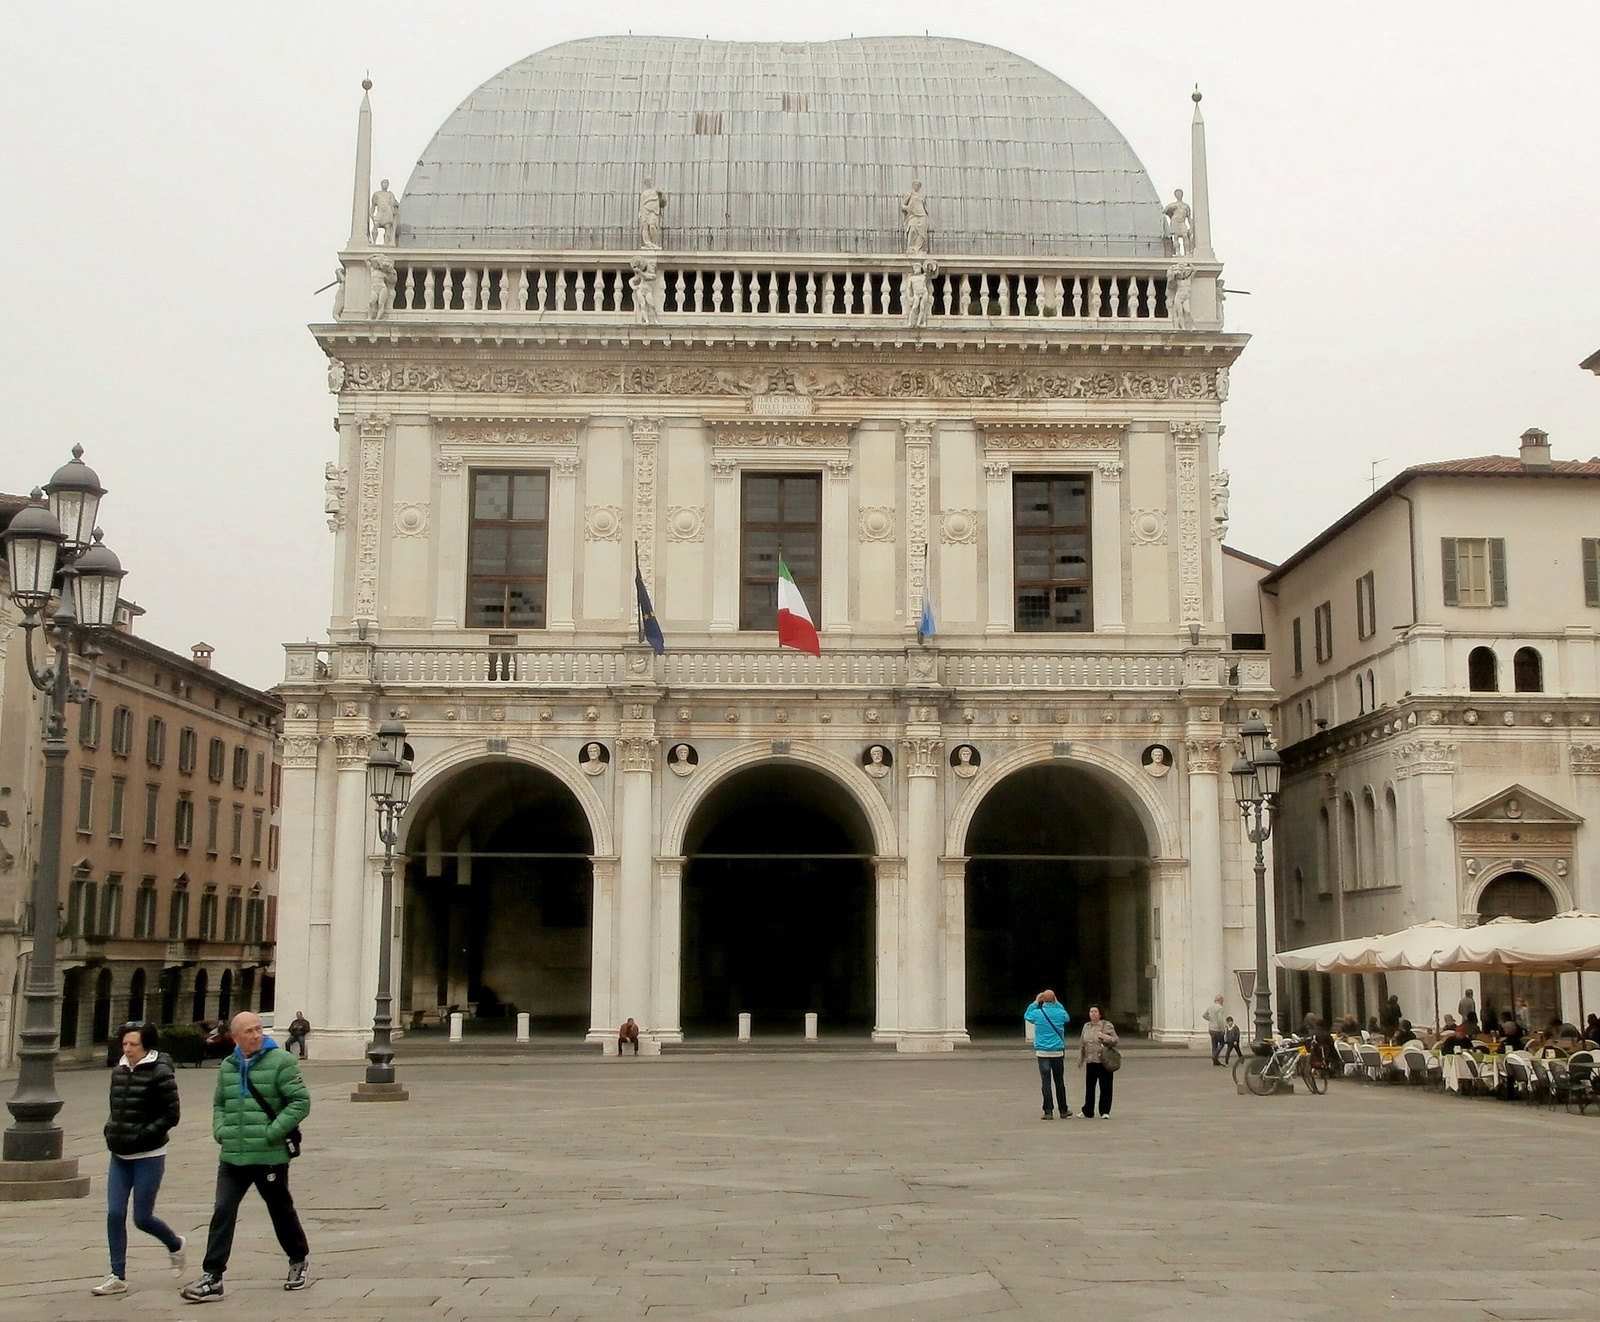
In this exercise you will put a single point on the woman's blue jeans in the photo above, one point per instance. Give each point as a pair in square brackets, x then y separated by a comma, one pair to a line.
[141, 1178]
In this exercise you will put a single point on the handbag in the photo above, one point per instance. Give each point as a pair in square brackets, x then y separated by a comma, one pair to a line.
[291, 1140]
[1110, 1058]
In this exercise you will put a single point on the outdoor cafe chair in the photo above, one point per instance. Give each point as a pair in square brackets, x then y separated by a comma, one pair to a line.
[1372, 1062]
[1558, 1083]
[1348, 1058]
[1413, 1062]
[1525, 1082]
[1580, 1080]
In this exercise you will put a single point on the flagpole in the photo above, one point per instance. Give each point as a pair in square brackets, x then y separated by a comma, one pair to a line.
[638, 607]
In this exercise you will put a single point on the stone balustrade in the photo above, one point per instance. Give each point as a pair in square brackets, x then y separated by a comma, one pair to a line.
[739, 668]
[714, 287]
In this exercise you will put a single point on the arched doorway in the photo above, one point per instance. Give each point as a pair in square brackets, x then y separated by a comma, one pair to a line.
[1518, 895]
[1057, 896]
[136, 997]
[71, 995]
[225, 996]
[100, 1030]
[169, 985]
[499, 900]
[778, 905]
[202, 984]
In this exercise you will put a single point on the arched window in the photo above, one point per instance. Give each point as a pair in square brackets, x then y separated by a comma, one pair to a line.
[1372, 692]
[1297, 897]
[1324, 853]
[1361, 695]
[1349, 857]
[1391, 826]
[1483, 670]
[1527, 669]
[1368, 850]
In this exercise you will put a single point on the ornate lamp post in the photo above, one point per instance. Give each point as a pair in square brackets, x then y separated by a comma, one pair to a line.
[1257, 777]
[53, 551]
[389, 785]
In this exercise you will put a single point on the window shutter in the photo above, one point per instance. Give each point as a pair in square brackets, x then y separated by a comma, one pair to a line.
[1591, 571]
[1299, 657]
[1452, 594]
[1497, 571]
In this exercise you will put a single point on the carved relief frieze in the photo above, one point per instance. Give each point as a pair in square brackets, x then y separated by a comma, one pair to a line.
[1186, 441]
[553, 433]
[372, 429]
[300, 752]
[646, 438]
[1585, 759]
[919, 441]
[783, 436]
[1032, 439]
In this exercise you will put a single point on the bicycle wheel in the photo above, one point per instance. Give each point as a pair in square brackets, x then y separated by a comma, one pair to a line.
[1257, 1078]
[1239, 1067]
[1314, 1080]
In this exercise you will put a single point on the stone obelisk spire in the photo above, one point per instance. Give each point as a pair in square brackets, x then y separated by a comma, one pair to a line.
[1199, 190]
[360, 204]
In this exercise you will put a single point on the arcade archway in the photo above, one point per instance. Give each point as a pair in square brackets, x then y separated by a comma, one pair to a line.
[499, 902]
[1525, 896]
[1057, 895]
[778, 898]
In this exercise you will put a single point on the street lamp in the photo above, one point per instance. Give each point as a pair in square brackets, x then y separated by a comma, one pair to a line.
[53, 552]
[1257, 778]
[389, 786]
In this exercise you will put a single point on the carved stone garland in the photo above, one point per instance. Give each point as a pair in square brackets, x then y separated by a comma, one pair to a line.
[372, 429]
[646, 437]
[919, 440]
[1186, 440]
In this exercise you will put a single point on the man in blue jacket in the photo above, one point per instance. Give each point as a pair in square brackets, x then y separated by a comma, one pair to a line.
[1049, 1019]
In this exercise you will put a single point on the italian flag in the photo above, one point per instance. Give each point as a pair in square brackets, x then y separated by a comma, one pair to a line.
[795, 628]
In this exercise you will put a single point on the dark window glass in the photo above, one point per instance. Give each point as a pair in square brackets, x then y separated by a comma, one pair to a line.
[508, 552]
[1052, 565]
[780, 514]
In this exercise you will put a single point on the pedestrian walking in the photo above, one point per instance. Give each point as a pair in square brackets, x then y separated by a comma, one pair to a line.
[256, 1112]
[144, 1109]
[1049, 1019]
[1098, 1034]
[1230, 1042]
[299, 1027]
[1214, 1016]
[1467, 1008]
[629, 1032]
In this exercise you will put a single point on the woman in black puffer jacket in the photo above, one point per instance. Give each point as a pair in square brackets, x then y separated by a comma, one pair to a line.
[144, 1107]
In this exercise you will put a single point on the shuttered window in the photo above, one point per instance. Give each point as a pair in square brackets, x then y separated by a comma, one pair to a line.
[1591, 571]
[1474, 571]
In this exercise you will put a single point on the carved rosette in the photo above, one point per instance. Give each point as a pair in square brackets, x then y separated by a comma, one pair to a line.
[919, 441]
[352, 750]
[921, 756]
[637, 754]
[411, 518]
[957, 528]
[1186, 441]
[646, 438]
[300, 752]
[1204, 756]
[876, 523]
[372, 429]
[1148, 527]
[686, 523]
[603, 523]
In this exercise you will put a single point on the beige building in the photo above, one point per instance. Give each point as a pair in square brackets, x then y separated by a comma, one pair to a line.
[1436, 654]
[170, 839]
[744, 314]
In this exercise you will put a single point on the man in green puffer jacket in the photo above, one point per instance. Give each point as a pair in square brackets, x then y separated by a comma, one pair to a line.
[254, 1140]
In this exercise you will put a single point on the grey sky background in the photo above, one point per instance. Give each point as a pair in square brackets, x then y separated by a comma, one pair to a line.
[1409, 191]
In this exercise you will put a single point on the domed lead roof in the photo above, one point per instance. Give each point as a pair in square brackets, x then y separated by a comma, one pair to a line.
[778, 146]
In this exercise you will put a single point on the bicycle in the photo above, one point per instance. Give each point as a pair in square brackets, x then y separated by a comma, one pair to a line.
[1291, 1059]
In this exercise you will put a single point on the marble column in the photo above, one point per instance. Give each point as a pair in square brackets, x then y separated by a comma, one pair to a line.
[889, 875]
[668, 952]
[603, 1017]
[563, 542]
[997, 523]
[1208, 961]
[345, 1034]
[836, 543]
[725, 539]
[953, 879]
[922, 1023]
[1173, 993]
[300, 828]
[1106, 540]
[634, 908]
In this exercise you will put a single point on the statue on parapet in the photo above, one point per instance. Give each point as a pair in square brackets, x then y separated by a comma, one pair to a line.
[914, 211]
[648, 291]
[652, 202]
[385, 216]
[1180, 296]
[919, 293]
[381, 278]
[1180, 225]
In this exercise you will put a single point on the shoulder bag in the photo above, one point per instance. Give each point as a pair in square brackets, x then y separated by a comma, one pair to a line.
[1110, 1058]
[291, 1140]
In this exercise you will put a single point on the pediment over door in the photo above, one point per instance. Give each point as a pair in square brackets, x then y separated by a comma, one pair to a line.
[1518, 805]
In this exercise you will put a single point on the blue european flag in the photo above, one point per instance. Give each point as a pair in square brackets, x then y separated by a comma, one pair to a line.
[925, 629]
[649, 626]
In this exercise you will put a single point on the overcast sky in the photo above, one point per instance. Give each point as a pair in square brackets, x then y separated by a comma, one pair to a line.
[1409, 192]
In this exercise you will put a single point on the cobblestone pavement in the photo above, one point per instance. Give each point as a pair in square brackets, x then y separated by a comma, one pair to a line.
[781, 1188]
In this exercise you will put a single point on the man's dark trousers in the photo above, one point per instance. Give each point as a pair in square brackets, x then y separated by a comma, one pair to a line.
[272, 1183]
[1216, 1044]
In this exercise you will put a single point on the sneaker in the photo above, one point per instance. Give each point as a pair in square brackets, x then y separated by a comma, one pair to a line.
[111, 1285]
[207, 1288]
[1047, 1116]
[297, 1276]
[1105, 1115]
[177, 1257]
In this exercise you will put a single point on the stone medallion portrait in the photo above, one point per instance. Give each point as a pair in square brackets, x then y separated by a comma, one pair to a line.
[877, 760]
[965, 761]
[593, 757]
[1157, 760]
[682, 759]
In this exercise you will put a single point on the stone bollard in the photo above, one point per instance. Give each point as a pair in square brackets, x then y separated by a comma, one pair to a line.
[648, 1045]
[455, 1026]
[811, 1028]
[744, 1027]
[609, 1046]
[522, 1028]
[1027, 1031]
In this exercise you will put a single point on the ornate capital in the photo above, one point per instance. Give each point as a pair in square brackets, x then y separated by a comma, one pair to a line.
[1429, 757]
[997, 470]
[840, 468]
[1111, 471]
[449, 463]
[918, 431]
[1585, 759]
[921, 756]
[724, 467]
[1187, 433]
[1204, 756]
[646, 431]
[567, 465]
[300, 752]
[638, 754]
[352, 749]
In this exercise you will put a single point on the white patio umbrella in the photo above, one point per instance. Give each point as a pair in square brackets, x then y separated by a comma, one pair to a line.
[1567, 943]
[1417, 947]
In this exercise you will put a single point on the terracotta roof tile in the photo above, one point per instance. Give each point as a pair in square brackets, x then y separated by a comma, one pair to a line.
[1509, 463]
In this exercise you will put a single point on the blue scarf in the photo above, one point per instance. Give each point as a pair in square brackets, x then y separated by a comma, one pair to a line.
[267, 1044]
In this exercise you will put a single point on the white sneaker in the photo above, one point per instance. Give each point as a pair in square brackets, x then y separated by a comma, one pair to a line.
[176, 1257]
[1105, 1115]
[111, 1285]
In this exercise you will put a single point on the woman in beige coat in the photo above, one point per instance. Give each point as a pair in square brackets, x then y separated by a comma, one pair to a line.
[1098, 1034]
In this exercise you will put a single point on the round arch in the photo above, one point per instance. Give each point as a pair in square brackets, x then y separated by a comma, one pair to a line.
[1536, 868]
[434, 775]
[1161, 827]
[848, 775]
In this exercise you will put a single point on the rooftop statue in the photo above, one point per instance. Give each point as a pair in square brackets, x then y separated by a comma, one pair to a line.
[1180, 290]
[919, 293]
[652, 202]
[1180, 229]
[385, 216]
[647, 285]
[914, 208]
